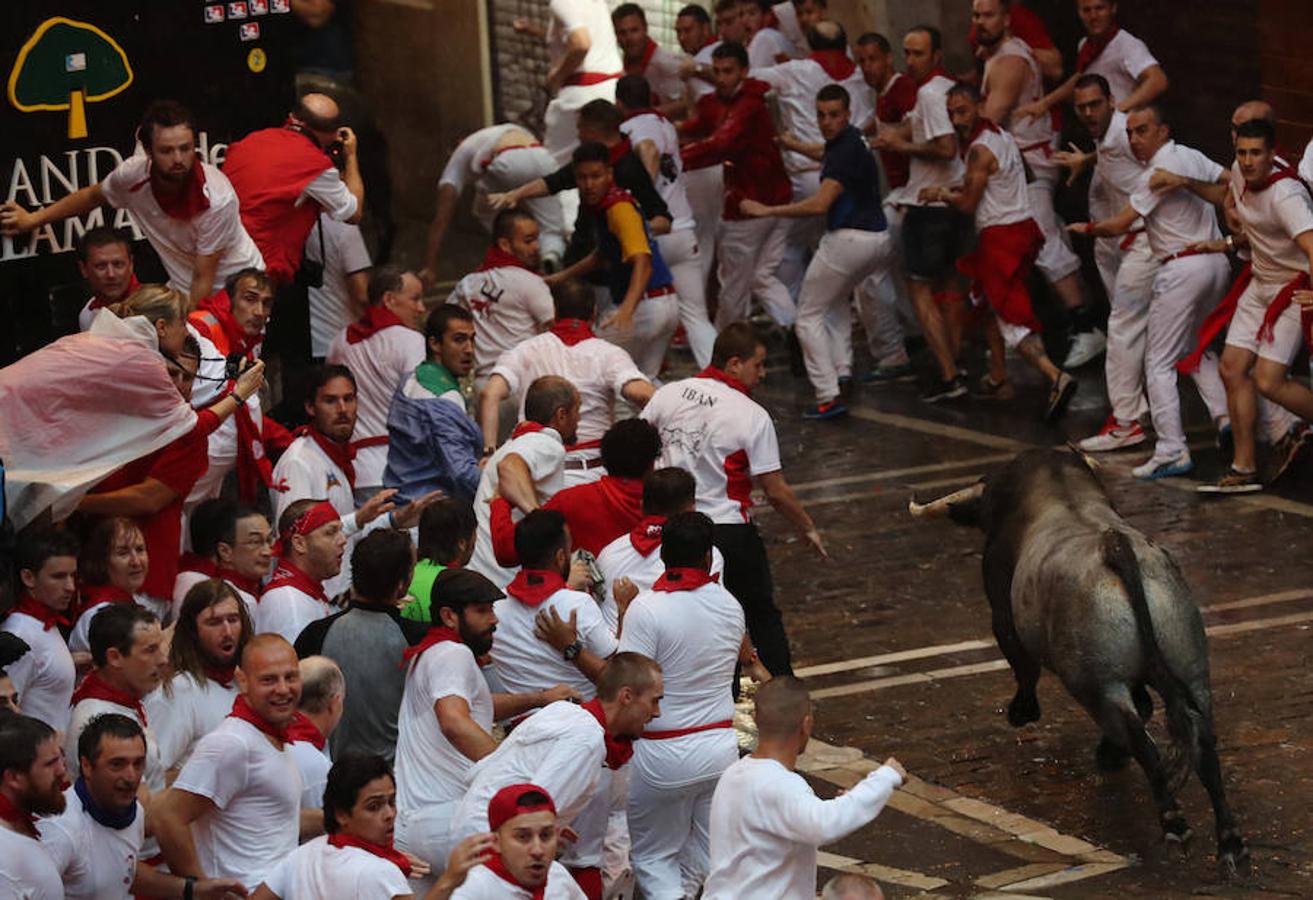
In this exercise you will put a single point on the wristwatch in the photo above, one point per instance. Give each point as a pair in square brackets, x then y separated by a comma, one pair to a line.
[572, 651]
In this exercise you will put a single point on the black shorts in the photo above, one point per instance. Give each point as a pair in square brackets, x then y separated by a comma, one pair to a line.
[933, 239]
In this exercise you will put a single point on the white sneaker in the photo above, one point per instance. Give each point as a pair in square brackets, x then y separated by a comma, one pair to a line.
[1085, 347]
[1113, 436]
[1169, 467]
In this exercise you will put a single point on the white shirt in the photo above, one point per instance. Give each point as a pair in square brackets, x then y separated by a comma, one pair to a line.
[79, 638]
[1118, 171]
[331, 193]
[561, 748]
[27, 871]
[796, 84]
[87, 709]
[318, 871]
[603, 57]
[790, 27]
[257, 792]
[473, 154]
[1176, 219]
[1122, 62]
[525, 664]
[929, 120]
[287, 610]
[188, 579]
[380, 363]
[1006, 199]
[429, 768]
[544, 454]
[669, 180]
[703, 58]
[765, 49]
[598, 369]
[510, 305]
[330, 304]
[696, 636]
[1273, 218]
[662, 75]
[1306, 164]
[95, 862]
[484, 884]
[215, 230]
[766, 824]
[313, 764]
[45, 675]
[186, 714]
[719, 434]
[1033, 135]
[620, 559]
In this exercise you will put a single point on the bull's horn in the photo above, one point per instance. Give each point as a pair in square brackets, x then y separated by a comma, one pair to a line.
[940, 507]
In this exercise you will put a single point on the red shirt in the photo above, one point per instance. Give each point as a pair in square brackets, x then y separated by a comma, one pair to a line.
[597, 513]
[742, 136]
[890, 108]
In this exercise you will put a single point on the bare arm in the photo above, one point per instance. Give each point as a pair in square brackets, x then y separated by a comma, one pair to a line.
[1041, 107]
[148, 881]
[508, 706]
[1215, 192]
[639, 272]
[515, 483]
[16, 220]
[818, 204]
[461, 730]
[577, 45]
[170, 820]
[980, 165]
[791, 141]
[638, 391]
[143, 499]
[785, 501]
[648, 155]
[577, 270]
[202, 276]
[1151, 85]
[1117, 225]
[1050, 62]
[448, 197]
[312, 823]
[494, 392]
[357, 293]
[941, 148]
[351, 173]
[1006, 80]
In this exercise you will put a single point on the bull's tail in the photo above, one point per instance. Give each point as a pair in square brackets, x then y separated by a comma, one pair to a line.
[1186, 722]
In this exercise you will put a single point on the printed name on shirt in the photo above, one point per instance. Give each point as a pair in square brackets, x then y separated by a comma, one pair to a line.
[698, 397]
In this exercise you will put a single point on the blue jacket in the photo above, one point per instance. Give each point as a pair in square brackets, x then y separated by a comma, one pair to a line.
[432, 445]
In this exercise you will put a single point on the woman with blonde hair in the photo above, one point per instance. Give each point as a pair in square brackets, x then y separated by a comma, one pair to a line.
[154, 313]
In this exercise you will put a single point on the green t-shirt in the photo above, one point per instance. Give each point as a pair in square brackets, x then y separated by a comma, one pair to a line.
[421, 584]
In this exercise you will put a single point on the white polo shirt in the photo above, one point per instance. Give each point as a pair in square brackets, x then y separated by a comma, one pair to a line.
[510, 305]
[765, 50]
[525, 664]
[796, 84]
[484, 884]
[186, 714]
[544, 454]
[696, 637]
[621, 559]
[1176, 219]
[380, 363]
[287, 610]
[330, 305]
[1122, 62]
[96, 862]
[429, 768]
[1006, 200]
[669, 181]
[317, 869]
[314, 765]
[603, 57]
[719, 434]
[215, 230]
[1273, 218]
[929, 120]
[1117, 171]
[27, 869]
[45, 675]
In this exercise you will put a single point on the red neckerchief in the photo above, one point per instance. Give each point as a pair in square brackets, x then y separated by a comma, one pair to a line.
[1279, 172]
[436, 635]
[240, 581]
[835, 63]
[93, 687]
[615, 195]
[288, 574]
[98, 301]
[640, 67]
[220, 305]
[376, 318]
[619, 150]
[717, 375]
[526, 428]
[341, 456]
[95, 594]
[681, 579]
[572, 331]
[48, 617]
[937, 70]
[304, 731]
[188, 202]
[221, 675]
[982, 125]
[618, 749]
[242, 710]
[392, 855]
[497, 258]
[194, 562]
[533, 586]
[498, 868]
[646, 535]
[1094, 46]
[254, 468]
[24, 821]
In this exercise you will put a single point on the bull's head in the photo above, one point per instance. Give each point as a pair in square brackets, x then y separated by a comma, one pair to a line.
[964, 507]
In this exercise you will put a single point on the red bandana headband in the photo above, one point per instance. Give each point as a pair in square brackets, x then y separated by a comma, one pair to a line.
[315, 517]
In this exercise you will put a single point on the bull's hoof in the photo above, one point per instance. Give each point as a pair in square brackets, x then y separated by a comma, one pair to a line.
[1232, 854]
[1143, 703]
[1023, 709]
[1110, 756]
[1176, 832]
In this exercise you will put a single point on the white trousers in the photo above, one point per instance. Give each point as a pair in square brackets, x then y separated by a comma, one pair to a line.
[683, 254]
[883, 305]
[749, 255]
[512, 168]
[804, 234]
[1184, 290]
[1128, 279]
[427, 834]
[669, 830]
[1056, 258]
[706, 196]
[843, 260]
[655, 319]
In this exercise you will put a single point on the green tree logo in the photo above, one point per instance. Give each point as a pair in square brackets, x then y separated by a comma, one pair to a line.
[65, 65]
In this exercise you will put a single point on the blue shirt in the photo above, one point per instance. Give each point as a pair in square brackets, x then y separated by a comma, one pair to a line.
[848, 160]
[432, 445]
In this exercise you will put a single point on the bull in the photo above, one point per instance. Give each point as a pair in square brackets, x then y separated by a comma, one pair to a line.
[1075, 589]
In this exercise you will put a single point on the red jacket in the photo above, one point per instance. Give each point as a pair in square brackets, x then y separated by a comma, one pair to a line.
[597, 513]
[742, 136]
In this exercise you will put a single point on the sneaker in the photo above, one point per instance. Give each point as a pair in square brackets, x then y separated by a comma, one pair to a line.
[1084, 347]
[1156, 467]
[1233, 482]
[945, 390]
[1059, 396]
[890, 374]
[1286, 452]
[989, 389]
[1113, 436]
[833, 409]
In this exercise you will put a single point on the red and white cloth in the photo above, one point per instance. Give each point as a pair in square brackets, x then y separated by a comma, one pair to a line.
[1121, 58]
[637, 556]
[317, 868]
[510, 303]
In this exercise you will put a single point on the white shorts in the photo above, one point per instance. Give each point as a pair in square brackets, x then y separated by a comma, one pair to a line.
[1287, 331]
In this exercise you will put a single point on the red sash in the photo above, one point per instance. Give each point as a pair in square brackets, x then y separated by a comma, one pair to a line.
[376, 318]
[532, 586]
[681, 732]
[619, 749]
[572, 331]
[221, 675]
[232, 337]
[194, 562]
[188, 202]
[242, 710]
[587, 79]
[93, 687]
[391, 854]
[22, 820]
[982, 125]
[98, 302]
[717, 375]
[1217, 321]
[526, 428]
[1280, 303]
[936, 71]
[681, 579]
[646, 535]
[1093, 48]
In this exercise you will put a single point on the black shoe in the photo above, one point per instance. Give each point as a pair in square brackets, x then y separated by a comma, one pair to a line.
[1059, 396]
[945, 390]
[1288, 451]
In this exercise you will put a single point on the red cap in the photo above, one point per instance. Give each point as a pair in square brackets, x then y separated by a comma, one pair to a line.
[505, 804]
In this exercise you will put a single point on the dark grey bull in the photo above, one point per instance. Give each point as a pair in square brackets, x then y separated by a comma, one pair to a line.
[1075, 589]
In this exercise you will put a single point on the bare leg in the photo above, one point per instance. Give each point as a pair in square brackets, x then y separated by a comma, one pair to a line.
[932, 326]
[998, 366]
[1270, 378]
[1241, 403]
[1069, 289]
[1031, 349]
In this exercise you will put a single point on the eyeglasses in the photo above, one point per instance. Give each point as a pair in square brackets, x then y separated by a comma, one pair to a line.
[257, 543]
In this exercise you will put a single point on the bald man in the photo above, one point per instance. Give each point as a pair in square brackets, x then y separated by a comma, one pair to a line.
[323, 692]
[234, 810]
[851, 887]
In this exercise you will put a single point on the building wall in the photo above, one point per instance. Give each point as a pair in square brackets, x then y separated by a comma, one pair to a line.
[1285, 34]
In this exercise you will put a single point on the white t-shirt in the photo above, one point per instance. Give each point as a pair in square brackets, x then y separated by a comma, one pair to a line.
[88, 709]
[473, 154]
[1176, 219]
[287, 610]
[314, 765]
[1034, 136]
[1006, 199]
[215, 230]
[186, 714]
[510, 305]
[330, 305]
[526, 664]
[669, 181]
[603, 57]
[929, 120]
[318, 871]
[796, 83]
[27, 871]
[544, 454]
[719, 434]
[662, 75]
[561, 748]
[1117, 171]
[95, 862]
[257, 792]
[1273, 218]
[765, 49]
[1122, 62]
[381, 362]
[790, 27]
[696, 636]
[484, 884]
[620, 559]
[766, 824]
[429, 768]
[45, 675]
